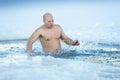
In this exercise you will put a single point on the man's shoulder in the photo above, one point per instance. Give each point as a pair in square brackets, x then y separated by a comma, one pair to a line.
[39, 29]
[57, 26]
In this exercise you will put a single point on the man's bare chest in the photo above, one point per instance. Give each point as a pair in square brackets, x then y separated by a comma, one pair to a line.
[51, 34]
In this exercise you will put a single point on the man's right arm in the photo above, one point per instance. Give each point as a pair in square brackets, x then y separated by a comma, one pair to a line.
[31, 40]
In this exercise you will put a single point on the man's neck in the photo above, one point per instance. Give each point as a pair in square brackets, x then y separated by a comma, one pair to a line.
[48, 27]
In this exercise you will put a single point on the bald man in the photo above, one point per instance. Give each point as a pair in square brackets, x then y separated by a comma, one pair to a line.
[49, 35]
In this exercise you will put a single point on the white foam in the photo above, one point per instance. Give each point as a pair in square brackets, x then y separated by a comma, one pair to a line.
[48, 68]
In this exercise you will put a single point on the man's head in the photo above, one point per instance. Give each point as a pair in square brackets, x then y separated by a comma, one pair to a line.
[48, 19]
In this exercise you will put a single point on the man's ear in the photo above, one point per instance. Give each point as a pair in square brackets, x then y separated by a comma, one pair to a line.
[43, 20]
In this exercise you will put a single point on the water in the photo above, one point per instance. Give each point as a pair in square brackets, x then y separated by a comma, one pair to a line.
[99, 62]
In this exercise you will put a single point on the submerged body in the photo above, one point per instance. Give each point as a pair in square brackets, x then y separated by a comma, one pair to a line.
[49, 35]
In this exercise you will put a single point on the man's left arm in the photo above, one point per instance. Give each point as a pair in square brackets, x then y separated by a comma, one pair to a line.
[68, 40]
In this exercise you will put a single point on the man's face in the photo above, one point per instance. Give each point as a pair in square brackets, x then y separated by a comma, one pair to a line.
[48, 21]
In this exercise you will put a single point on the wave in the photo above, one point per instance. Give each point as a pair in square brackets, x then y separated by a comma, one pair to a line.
[40, 67]
[7, 41]
[101, 52]
[102, 59]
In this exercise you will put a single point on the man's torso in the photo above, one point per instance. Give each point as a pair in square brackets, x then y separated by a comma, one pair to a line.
[50, 39]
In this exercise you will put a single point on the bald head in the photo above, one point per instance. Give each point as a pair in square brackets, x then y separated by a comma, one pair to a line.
[46, 15]
[48, 20]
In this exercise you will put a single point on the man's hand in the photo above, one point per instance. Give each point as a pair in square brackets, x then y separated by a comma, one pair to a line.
[76, 43]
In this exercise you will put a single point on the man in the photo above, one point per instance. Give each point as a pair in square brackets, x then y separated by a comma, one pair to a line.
[49, 35]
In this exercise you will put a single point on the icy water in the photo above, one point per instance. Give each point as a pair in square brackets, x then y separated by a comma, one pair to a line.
[101, 62]
[95, 25]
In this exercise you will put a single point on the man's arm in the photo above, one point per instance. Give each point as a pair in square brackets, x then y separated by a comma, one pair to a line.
[68, 40]
[31, 40]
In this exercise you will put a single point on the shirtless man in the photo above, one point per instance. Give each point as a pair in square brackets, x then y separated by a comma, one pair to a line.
[49, 35]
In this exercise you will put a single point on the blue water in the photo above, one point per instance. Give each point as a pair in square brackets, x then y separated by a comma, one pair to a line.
[91, 60]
